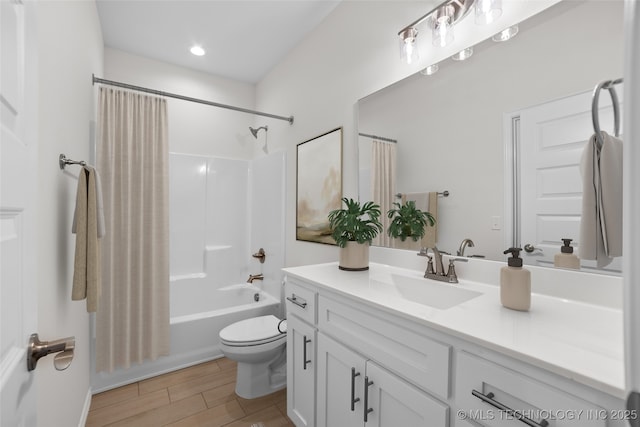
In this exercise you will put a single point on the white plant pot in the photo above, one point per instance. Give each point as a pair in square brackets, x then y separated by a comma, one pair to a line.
[354, 257]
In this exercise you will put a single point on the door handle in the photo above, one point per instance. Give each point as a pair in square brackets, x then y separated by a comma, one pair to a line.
[367, 410]
[354, 399]
[304, 352]
[38, 349]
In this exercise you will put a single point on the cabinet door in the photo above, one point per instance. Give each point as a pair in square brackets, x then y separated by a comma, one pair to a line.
[392, 402]
[340, 384]
[301, 372]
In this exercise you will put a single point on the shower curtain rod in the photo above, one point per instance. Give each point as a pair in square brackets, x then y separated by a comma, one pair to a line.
[187, 98]
[381, 138]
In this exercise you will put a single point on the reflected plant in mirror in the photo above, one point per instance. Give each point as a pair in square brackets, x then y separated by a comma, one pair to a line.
[481, 128]
[408, 222]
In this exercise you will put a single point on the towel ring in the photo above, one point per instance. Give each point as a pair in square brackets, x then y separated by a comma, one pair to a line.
[607, 84]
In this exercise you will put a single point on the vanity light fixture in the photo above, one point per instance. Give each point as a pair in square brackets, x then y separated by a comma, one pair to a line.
[488, 11]
[506, 34]
[441, 21]
[197, 50]
[463, 54]
[430, 70]
[409, 45]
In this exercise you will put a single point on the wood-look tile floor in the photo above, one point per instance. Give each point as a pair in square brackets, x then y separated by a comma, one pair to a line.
[198, 396]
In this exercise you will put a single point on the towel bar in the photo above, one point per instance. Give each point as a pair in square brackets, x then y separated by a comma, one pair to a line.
[445, 193]
[63, 161]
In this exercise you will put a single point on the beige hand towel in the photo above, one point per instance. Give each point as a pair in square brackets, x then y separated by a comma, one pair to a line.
[601, 221]
[86, 273]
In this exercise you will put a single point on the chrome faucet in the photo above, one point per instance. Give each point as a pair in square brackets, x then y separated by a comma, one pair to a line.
[439, 274]
[253, 277]
[463, 246]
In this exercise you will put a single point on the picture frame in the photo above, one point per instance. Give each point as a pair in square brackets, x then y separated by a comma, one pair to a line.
[318, 185]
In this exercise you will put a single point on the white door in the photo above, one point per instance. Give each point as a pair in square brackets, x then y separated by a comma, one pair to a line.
[552, 138]
[18, 160]
[340, 384]
[301, 372]
[392, 402]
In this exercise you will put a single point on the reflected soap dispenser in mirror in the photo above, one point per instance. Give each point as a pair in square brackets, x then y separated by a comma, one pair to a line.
[566, 258]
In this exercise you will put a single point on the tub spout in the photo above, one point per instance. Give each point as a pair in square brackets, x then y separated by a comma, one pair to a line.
[253, 277]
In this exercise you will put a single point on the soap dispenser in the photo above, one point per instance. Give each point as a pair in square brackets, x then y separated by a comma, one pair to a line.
[515, 283]
[566, 258]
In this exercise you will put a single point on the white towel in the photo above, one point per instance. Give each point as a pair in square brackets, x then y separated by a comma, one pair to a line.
[601, 222]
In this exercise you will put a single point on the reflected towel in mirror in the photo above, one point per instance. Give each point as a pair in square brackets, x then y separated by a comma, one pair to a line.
[601, 222]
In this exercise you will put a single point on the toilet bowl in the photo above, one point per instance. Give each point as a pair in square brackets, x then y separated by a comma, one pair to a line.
[260, 350]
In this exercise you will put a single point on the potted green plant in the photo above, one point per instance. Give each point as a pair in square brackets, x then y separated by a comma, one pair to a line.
[353, 229]
[408, 222]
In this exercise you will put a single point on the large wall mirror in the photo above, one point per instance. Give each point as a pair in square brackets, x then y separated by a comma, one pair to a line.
[452, 130]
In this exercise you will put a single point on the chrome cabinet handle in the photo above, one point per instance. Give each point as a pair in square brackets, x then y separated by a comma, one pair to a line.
[354, 399]
[304, 353]
[300, 303]
[489, 398]
[529, 248]
[367, 410]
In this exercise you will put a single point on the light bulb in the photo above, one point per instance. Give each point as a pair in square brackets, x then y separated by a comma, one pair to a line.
[409, 45]
[442, 33]
[488, 11]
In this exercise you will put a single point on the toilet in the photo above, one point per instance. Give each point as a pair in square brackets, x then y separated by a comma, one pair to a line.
[260, 350]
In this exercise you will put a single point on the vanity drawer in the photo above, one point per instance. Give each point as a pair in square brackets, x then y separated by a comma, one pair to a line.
[420, 360]
[301, 301]
[478, 379]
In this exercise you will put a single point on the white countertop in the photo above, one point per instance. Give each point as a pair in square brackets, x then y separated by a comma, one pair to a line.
[577, 340]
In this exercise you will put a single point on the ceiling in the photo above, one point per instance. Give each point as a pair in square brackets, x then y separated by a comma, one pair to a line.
[243, 39]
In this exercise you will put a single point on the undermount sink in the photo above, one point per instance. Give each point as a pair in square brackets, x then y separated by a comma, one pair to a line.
[434, 294]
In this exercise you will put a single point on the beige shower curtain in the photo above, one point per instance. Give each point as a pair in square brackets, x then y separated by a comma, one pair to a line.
[383, 184]
[132, 322]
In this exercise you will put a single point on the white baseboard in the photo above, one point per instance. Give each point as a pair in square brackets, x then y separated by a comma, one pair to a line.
[85, 409]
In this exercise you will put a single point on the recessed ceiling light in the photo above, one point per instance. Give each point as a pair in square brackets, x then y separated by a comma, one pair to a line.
[197, 50]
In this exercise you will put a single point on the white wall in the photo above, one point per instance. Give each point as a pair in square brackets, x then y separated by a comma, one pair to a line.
[353, 53]
[193, 128]
[70, 50]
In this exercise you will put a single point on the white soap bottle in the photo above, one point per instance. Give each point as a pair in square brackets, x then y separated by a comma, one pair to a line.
[515, 283]
[566, 258]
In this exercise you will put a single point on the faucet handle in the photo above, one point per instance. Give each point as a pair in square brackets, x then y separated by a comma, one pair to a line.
[451, 272]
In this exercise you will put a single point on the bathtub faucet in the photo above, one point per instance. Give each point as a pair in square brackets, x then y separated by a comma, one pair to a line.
[253, 277]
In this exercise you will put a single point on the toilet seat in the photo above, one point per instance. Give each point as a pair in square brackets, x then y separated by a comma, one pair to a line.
[252, 332]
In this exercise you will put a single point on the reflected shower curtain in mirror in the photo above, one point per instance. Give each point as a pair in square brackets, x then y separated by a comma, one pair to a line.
[132, 322]
[383, 184]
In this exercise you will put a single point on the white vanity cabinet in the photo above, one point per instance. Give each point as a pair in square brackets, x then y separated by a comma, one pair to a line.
[372, 360]
[354, 391]
[301, 355]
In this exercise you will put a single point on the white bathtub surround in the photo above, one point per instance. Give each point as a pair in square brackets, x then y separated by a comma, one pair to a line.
[132, 323]
[222, 211]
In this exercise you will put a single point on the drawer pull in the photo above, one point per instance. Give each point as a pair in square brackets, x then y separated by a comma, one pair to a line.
[489, 398]
[297, 301]
[367, 410]
[354, 399]
[304, 353]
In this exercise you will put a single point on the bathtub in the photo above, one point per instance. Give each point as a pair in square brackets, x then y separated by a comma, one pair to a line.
[199, 312]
